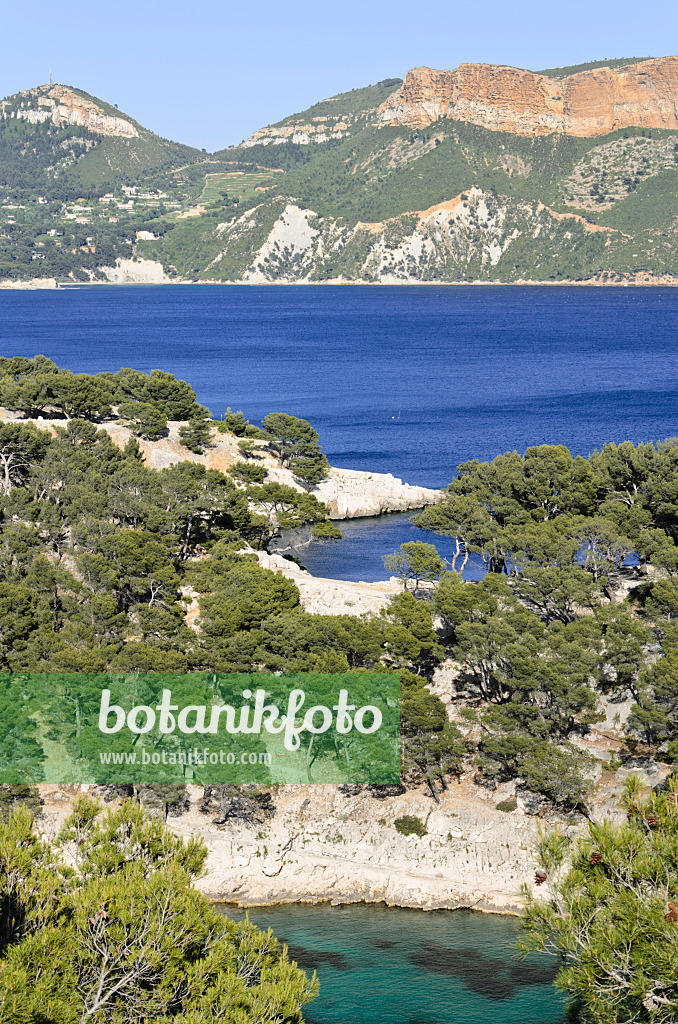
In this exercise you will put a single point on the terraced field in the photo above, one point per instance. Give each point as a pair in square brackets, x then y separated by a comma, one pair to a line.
[236, 184]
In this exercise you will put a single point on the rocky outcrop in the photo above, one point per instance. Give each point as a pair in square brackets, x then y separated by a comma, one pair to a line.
[301, 133]
[352, 493]
[348, 493]
[37, 283]
[136, 271]
[64, 107]
[320, 596]
[323, 843]
[589, 103]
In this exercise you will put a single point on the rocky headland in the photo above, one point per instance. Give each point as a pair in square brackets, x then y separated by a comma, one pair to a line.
[348, 493]
[313, 843]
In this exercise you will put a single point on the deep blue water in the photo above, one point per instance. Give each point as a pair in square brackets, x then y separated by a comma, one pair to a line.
[381, 965]
[359, 556]
[406, 380]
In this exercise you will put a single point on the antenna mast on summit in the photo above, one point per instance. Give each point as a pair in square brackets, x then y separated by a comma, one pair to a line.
[50, 77]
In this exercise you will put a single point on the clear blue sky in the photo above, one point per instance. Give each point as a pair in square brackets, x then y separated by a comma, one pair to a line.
[209, 72]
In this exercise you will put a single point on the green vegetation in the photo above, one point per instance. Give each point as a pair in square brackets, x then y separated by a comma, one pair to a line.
[196, 433]
[236, 185]
[382, 174]
[37, 387]
[143, 419]
[327, 531]
[101, 555]
[106, 925]
[575, 69]
[295, 442]
[432, 747]
[415, 561]
[409, 825]
[609, 913]
[537, 638]
[45, 158]
[344, 104]
[94, 546]
[75, 201]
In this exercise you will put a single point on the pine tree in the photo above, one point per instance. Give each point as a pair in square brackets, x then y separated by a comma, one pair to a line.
[610, 912]
[124, 937]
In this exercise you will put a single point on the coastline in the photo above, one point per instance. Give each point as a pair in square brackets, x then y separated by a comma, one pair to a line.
[347, 493]
[325, 846]
[363, 903]
[50, 284]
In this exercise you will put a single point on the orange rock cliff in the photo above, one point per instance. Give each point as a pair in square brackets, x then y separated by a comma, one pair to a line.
[506, 99]
[64, 106]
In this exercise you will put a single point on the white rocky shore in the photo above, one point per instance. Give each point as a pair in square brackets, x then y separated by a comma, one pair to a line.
[322, 844]
[348, 493]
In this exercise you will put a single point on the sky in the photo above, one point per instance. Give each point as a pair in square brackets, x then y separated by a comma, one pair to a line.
[210, 72]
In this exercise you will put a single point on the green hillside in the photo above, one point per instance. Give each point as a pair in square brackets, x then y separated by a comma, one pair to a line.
[626, 181]
[59, 160]
[72, 200]
[333, 193]
[344, 103]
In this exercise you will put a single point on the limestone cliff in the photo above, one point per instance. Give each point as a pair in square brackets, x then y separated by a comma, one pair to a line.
[325, 844]
[593, 102]
[64, 107]
[301, 132]
[470, 236]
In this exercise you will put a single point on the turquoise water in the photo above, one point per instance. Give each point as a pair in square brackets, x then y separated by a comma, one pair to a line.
[385, 965]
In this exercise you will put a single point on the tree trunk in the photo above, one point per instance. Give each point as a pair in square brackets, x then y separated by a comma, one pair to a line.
[7, 482]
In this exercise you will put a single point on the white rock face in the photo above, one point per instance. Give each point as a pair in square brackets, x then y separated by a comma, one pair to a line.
[351, 493]
[129, 271]
[291, 238]
[333, 597]
[345, 849]
[64, 106]
[35, 283]
[324, 845]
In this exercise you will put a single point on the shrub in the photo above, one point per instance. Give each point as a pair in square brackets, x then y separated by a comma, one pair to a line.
[327, 531]
[106, 926]
[410, 825]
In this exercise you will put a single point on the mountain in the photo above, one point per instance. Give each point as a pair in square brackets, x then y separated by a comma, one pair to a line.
[481, 173]
[55, 136]
[78, 180]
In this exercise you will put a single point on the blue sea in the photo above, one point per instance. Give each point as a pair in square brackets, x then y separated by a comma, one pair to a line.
[405, 380]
